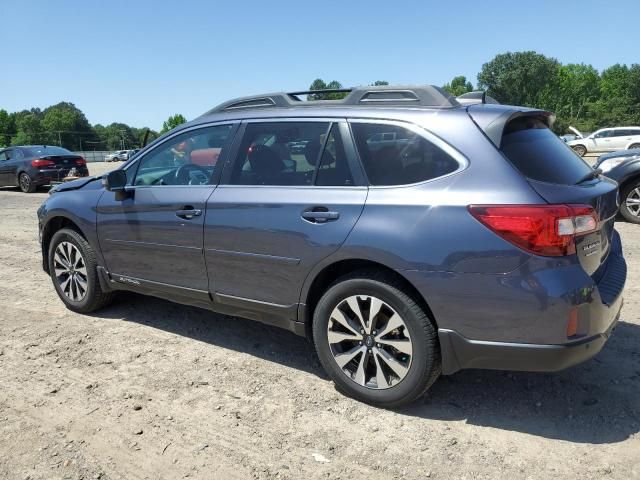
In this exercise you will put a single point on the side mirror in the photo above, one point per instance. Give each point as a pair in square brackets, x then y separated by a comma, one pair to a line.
[115, 181]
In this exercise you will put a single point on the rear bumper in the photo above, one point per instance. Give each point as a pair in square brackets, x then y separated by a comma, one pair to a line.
[47, 177]
[460, 353]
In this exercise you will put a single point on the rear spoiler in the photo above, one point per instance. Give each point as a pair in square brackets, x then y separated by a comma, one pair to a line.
[492, 119]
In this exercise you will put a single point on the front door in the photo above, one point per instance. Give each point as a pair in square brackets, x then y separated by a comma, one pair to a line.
[289, 199]
[603, 141]
[5, 168]
[154, 236]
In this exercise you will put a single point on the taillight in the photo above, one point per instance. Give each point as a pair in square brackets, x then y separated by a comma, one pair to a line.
[81, 162]
[40, 163]
[547, 230]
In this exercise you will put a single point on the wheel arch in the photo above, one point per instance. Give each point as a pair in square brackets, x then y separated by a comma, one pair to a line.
[52, 225]
[318, 284]
[633, 178]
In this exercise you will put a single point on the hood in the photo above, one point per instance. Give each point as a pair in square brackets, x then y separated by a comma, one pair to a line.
[72, 185]
[576, 131]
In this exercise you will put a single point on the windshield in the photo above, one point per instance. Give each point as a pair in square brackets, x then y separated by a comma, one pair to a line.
[46, 150]
[539, 155]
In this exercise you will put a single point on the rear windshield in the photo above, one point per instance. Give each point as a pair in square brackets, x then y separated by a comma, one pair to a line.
[47, 150]
[540, 155]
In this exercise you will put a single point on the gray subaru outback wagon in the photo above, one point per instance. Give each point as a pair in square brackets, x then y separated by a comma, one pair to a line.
[407, 233]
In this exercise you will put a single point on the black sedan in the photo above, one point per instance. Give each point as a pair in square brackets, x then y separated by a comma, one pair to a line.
[624, 167]
[30, 166]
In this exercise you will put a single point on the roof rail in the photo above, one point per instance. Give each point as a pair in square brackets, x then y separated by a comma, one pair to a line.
[474, 98]
[415, 95]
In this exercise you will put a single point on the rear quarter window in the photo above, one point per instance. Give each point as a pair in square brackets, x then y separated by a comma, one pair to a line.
[539, 154]
[395, 155]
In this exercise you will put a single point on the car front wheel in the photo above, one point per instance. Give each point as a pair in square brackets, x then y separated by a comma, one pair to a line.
[375, 341]
[72, 266]
[580, 150]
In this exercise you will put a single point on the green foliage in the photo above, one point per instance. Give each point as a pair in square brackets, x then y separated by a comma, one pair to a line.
[65, 125]
[172, 122]
[458, 86]
[577, 93]
[319, 84]
[520, 78]
[7, 128]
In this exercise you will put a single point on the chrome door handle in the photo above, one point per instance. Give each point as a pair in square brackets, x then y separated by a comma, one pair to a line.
[320, 216]
[188, 213]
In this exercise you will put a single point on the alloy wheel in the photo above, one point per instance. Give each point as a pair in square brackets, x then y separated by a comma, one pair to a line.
[370, 342]
[25, 182]
[70, 271]
[633, 201]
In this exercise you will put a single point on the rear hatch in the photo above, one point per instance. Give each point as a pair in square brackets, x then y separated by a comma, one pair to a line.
[560, 176]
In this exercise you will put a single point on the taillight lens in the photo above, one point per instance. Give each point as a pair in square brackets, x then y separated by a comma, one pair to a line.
[547, 230]
[81, 162]
[40, 163]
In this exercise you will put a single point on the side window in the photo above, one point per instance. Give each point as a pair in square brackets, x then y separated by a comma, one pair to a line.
[334, 167]
[3, 156]
[187, 159]
[9, 154]
[394, 155]
[17, 154]
[279, 153]
[605, 134]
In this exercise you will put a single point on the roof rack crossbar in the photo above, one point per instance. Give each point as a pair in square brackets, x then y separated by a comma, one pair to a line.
[328, 90]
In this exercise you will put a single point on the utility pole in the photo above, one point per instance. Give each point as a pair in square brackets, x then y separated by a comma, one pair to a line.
[59, 139]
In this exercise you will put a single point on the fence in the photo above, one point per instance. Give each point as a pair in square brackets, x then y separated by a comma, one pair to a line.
[94, 155]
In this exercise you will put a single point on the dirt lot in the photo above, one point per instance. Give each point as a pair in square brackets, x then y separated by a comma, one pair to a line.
[150, 389]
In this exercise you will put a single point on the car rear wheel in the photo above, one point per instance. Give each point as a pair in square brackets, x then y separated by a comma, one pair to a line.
[630, 204]
[375, 341]
[580, 150]
[72, 267]
[25, 183]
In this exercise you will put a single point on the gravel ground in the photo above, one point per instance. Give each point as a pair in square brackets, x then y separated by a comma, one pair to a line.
[150, 389]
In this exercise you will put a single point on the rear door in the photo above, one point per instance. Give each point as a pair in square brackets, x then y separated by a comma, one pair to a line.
[555, 172]
[280, 209]
[620, 138]
[154, 237]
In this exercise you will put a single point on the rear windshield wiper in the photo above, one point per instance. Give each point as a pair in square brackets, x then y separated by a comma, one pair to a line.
[590, 176]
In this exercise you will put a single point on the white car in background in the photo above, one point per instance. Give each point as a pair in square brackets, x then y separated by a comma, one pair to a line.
[118, 155]
[606, 140]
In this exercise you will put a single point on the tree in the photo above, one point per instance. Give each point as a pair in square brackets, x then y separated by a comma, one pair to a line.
[29, 128]
[172, 122]
[458, 86]
[7, 128]
[318, 84]
[520, 78]
[67, 126]
[379, 83]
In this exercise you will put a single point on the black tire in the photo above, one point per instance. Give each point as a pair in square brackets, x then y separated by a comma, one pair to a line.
[25, 183]
[580, 150]
[94, 298]
[425, 366]
[630, 190]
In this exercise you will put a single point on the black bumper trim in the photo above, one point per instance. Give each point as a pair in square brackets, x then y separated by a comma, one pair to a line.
[460, 353]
